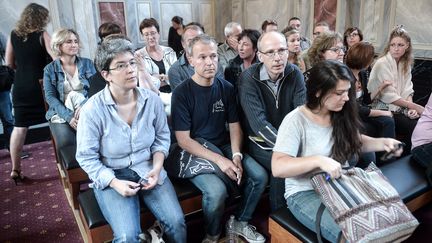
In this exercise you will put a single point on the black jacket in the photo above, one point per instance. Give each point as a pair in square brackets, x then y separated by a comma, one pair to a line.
[264, 111]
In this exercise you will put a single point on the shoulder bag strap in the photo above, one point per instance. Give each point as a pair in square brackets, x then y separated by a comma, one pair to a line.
[318, 222]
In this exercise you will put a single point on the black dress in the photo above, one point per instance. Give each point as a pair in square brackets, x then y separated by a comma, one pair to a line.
[174, 41]
[30, 59]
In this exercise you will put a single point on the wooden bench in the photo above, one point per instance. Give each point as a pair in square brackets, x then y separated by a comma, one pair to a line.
[98, 229]
[75, 176]
[405, 175]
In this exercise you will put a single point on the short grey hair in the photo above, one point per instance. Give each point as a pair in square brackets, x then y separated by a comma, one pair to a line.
[109, 49]
[229, 28]
[205, 39]
[59, 37]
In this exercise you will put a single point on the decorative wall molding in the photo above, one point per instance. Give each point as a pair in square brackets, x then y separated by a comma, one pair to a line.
[169, 9]
[143, 10]
[207, 17]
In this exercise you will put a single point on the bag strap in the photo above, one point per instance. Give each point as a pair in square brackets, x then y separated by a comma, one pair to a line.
[318, 222]
[319, 214]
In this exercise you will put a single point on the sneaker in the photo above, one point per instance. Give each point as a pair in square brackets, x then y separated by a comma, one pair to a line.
[248, 232]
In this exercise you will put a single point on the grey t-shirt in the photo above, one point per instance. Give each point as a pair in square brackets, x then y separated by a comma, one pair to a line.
[298, 136]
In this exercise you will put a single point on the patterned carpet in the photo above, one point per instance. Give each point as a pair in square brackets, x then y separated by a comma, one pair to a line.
[37, 209]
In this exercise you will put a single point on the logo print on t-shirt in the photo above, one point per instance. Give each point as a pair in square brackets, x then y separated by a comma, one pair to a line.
[218, 106]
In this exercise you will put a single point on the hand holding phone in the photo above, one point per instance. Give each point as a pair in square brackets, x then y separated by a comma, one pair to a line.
[390, 154]
[141, 183]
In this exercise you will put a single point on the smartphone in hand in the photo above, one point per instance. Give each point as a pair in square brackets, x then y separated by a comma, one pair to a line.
[390, 154]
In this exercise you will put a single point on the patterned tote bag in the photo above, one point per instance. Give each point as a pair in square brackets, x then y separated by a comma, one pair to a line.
[365, 206]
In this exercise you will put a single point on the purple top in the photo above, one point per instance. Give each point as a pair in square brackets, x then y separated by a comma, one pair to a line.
[423, 131]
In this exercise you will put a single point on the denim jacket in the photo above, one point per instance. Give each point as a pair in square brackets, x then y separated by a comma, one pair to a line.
[53, 83]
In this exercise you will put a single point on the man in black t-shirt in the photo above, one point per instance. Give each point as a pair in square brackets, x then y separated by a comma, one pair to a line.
[206, 152]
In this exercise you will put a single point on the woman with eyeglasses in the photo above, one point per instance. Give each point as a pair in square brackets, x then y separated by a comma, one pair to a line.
[157, 59]
[66, 84]
[352, 36]
[294, 49]
[122, 141]
[326, 46]
[391, 79]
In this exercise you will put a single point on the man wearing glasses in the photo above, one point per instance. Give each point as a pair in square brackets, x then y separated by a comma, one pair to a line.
[268, 91]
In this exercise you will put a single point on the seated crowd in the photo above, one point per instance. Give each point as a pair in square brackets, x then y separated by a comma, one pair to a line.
[260, 108]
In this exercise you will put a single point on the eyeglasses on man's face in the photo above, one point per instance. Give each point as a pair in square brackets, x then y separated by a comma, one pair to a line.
[337, 49]
[148, 34]
[272, 53]
[122, 66]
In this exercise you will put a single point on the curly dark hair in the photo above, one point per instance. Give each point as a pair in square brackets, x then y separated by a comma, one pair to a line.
[34, 18]
[348, 32]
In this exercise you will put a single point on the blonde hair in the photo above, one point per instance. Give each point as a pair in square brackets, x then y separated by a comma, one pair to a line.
[59, 37]
[320, 44]
[407, 59]
[34, 18]
[295, 57]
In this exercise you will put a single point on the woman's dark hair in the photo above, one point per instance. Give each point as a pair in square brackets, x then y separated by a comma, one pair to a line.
[349, 31]
[150, 22]
[177, 20]
[323, 79]
[107, 29]
[360, 55]
[253, 35]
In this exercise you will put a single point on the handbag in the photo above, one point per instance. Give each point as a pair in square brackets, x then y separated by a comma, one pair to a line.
[7, 76]
[365, 205]
[184, 165]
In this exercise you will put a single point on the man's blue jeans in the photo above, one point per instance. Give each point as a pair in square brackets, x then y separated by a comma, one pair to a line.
[277, 185]
[6, 115]
[123, 213]
[215, 192]
[304, 206]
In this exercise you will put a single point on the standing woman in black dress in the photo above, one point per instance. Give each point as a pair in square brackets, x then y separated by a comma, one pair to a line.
[26, 51]
[174, 35]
